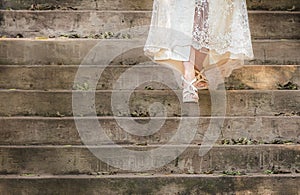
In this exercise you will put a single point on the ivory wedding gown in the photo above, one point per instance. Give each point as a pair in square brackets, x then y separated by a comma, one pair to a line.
[219, 29]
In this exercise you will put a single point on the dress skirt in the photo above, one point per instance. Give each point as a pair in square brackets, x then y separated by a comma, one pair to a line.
[216, 31]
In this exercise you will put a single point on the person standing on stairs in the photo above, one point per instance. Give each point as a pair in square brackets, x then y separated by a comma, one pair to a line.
[194, 36]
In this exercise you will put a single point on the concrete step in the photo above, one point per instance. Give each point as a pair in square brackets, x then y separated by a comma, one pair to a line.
[144, 103]
[62, 130]
[264, 24]
[40, 77]
[130, 4]
[255, 184]
[61, 160]
[95, 52]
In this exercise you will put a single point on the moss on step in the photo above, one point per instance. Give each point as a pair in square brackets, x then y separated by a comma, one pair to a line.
[288, 86]
[249, 141]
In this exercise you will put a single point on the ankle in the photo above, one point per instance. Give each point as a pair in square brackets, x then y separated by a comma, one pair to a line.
[189, 76]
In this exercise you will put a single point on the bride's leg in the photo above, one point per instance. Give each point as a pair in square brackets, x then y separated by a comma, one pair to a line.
[189, 90]
[197, 58]
[189, 71]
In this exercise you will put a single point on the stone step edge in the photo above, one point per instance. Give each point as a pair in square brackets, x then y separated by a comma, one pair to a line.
[136, 11]
[148, 65]
[132, 5]
[146, 146]
[138, 118]
[147, 175]
[44, 39]
[136, 91]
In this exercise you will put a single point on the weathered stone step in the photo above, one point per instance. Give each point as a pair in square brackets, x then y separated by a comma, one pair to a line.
[255, 184]
[73, 51]
[62, 130]
[263, 24]
[39, 77]
[130, 4]
[58, 103]
[79, 160]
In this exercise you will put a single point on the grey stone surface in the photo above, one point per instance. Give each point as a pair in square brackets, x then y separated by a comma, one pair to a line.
[62, 130]
[56, 103]
[70, 51]
[61, 160]
[263, 24]
[58, 77]
[50, 64]
[156, 184]
[132, 4]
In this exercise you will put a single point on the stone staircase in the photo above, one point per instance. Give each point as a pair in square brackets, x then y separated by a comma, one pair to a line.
[44, 44]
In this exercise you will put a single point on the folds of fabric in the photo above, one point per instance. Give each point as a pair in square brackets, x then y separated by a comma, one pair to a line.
[218, 29]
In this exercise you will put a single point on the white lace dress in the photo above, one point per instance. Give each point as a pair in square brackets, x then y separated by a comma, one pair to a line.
[219, 29]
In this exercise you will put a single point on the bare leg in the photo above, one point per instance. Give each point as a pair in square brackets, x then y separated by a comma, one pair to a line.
[189, 71]
[196, 63]
[189, 90]
[200, 59]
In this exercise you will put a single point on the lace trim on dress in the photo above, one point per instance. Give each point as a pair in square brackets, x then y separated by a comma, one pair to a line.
[222, 25]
